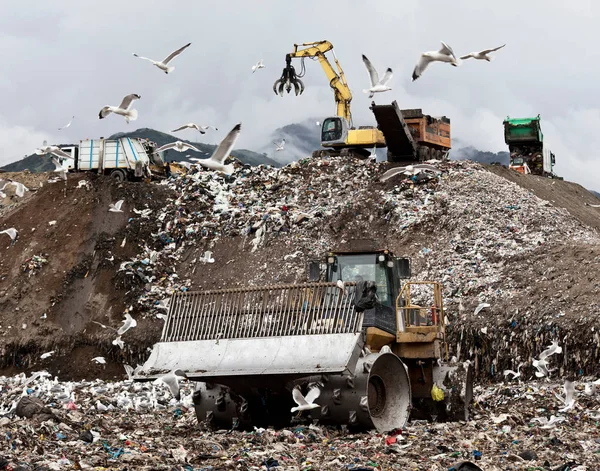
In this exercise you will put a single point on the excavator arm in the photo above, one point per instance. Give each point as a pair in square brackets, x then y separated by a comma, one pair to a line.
[337, 79]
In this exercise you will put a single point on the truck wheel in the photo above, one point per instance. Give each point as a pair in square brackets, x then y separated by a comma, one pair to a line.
[118, 175]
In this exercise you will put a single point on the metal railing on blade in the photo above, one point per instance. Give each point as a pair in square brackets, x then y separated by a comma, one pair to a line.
[269, 311]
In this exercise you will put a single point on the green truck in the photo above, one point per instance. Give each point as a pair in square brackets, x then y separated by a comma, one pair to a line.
[528, 153]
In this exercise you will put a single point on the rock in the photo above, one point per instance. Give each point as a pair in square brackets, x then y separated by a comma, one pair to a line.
[528, 455]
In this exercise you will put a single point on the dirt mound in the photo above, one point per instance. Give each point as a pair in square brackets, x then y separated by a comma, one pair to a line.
[486, 238]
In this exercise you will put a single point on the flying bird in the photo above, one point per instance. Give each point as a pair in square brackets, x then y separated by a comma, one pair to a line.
[11, 232]
[569, 399]
[119, 342]
[163, 65]
[99, 360]
[482, 55]
[541, 364]
[377, 85]
[67, 125]
[116, 207]
[171, 379]
[305, 403]
[46, 149]
[373, 154]
[128, 323]
[179, 146]
[123, 109]
[592, 205]
[258, 65]
[43, 356]
[445, 54]
[409, 170]
[20, 189]
[217, 160]
[59, 168]
[201, 129]
[480, 307]
[279, 146]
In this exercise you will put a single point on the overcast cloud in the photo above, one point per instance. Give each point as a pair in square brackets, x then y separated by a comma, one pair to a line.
[67, 58]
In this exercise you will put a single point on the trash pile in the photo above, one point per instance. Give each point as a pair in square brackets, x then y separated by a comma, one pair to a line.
[34, 264]
[50, 425]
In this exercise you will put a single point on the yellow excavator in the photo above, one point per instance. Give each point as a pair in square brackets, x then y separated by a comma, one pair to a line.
[408, 134]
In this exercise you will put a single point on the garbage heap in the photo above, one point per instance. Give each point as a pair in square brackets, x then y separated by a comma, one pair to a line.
[50, 425]
[472, 230]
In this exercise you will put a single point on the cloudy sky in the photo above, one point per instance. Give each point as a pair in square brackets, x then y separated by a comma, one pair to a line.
[67, 58]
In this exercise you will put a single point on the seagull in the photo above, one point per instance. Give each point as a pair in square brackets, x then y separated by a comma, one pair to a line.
[129, 371]
[279, 146]
[46, 149]
[317, 123]
[163, 65]
[119, 342]
[43, 356]
[122, 109]
[217, 160]
[201, 129]
[258, 65]
[480, 307]
[373, 153]
[67, 125]
[99, 360]
[116, 207]
[541, 364]
[12, 233]
[20, 189]
[515, 374]
[172, 381]
[445, 54]
[305, 403]
[207, 258]
[178, 146]
[569, 399]
[551, 350]
[59, 168]
[376, 84]
[128, 323]
[482, 55]
[592, 205]
[409, 170]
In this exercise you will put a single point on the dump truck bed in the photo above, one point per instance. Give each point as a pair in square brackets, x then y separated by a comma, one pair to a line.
[398, 138]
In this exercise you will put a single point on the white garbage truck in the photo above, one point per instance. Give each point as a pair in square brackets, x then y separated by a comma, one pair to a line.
[122, 158]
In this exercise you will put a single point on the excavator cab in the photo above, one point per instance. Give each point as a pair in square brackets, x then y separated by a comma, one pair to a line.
[334, 131]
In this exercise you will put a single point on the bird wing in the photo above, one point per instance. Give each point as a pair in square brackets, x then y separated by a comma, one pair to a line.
[468, 56]
[128, 100]
[189, 146]
[171, 145]
[487, 51]
[118, 204]
[185, 126]
[447, 50]
[569, 391]
[391, 172]
[56, 163]
[61, 153]
[422, 64]
[224, 148]
[144, 58]
[298, 397]
[312, 395]
[104, 112]
[387, 76]
[428, 167]
[68, 124]
[175, 54]
[373, 75]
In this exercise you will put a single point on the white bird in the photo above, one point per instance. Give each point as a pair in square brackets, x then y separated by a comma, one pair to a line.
[373, 154]
[163, 65]
[318, 123]
[569, 399]
[129, 371]
[279, 146]
[542, 368]
[58, 168]
[119, 342]
[123, 109]
[258, 65]
[43, 356]
[217, 160]
[101, 407]
[480, 307]
[377, 85]
[11, 232]
[20, 189]
[46, 149]
[208, 258]
[592, 205]
[179, 146]
[128, 323]
[409, 170]
[551, 350]
[171, 379]
[305, 403]
[589, 389]
[67, 125]
[445, 54]
[116, 207]
[99, 360]
[482, 55]
[515, 374]
[201, 129]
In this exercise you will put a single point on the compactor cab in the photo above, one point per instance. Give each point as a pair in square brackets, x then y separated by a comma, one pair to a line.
[374, 346]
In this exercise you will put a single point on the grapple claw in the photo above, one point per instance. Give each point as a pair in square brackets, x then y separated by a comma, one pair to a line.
[288, 80]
